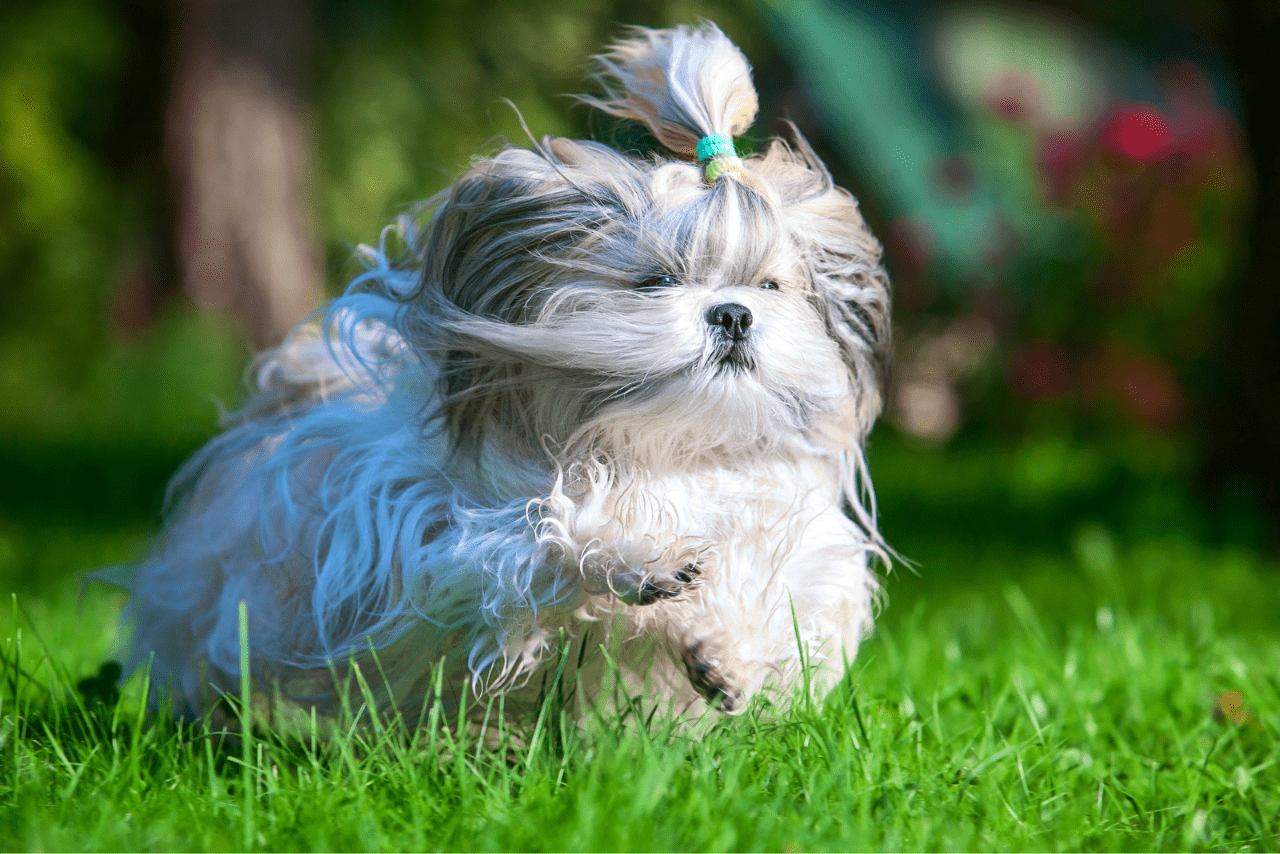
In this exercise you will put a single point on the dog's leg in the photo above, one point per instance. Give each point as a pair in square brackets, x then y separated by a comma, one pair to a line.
[624, 542]
[761, 619]
[712, 675]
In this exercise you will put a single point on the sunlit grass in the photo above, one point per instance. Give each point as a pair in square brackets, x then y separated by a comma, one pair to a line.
[1051, 697]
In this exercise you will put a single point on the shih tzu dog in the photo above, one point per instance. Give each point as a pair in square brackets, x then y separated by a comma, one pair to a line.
[610, 400]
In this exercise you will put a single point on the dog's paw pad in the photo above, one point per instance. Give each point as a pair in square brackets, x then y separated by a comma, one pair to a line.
[657, 589]
[708, 680]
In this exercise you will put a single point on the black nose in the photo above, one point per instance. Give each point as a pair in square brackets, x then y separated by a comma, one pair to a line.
[732, 318]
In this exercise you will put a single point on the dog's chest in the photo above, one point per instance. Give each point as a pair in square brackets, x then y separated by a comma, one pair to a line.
[680, 511]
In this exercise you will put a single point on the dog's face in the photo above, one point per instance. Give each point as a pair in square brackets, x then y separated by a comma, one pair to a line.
[591, 295]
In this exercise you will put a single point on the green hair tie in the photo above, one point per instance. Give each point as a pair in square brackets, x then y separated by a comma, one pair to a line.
[718, 153]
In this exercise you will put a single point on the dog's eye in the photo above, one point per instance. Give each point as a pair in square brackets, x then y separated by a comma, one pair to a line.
[659, 282]
[769, 285]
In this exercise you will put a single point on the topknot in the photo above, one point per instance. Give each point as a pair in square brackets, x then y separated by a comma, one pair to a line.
[683, 84]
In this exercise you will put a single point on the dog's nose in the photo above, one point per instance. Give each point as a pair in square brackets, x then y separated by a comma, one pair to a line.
[732, 318]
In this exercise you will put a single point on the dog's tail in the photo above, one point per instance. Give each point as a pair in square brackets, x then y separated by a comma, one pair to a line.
[685, 84]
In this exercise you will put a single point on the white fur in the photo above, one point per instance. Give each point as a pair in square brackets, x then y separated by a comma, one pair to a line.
[525, 436]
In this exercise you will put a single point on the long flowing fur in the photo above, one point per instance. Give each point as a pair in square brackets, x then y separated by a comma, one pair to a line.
[596, 397]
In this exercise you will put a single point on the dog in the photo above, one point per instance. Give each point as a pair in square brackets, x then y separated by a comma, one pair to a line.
[600, 399]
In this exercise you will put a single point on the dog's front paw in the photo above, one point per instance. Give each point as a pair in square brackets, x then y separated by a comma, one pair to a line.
[707, 674]
[637, 584]
[680, 582]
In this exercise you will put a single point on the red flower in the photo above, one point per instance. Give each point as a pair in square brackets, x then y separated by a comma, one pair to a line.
[1138, 133]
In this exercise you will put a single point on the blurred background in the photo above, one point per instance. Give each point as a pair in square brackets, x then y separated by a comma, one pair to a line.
[1078, 202]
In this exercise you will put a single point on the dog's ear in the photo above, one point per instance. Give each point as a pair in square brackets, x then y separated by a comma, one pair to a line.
[851, 288]
[487, 247]
[494, 252]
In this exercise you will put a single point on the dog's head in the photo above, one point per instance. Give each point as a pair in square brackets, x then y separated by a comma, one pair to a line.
[655, 305]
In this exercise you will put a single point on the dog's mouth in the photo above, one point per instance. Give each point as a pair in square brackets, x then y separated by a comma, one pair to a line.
[731, 335]
[733, 356]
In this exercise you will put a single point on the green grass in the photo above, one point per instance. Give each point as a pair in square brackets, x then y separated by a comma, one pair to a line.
[1044, 679]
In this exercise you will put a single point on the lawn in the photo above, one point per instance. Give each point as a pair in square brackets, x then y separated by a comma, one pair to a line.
[1079, 658]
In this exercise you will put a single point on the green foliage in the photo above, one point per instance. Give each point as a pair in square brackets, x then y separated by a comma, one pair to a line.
[409, 94]
[403, 94]
[59, 208]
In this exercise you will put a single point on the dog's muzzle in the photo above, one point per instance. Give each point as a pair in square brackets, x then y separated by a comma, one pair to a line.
[730, 325]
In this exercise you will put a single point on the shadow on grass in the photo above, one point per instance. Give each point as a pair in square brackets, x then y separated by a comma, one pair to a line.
[102, 481]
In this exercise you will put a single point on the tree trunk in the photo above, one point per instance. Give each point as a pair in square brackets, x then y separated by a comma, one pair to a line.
[237, 150]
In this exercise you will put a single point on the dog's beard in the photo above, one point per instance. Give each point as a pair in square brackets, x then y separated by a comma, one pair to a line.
[732, 355]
